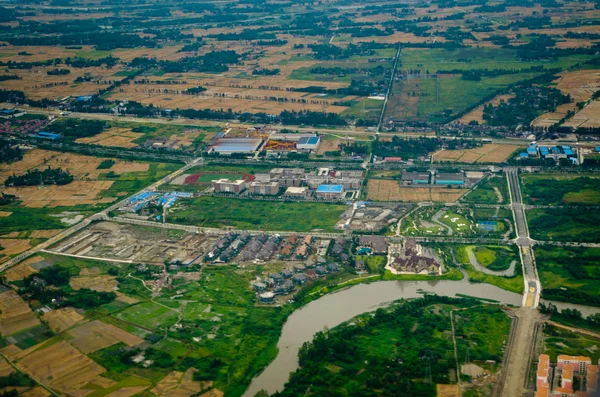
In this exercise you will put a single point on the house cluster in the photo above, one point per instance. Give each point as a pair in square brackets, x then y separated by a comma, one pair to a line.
[243, 247]
[16, 126]
[323, 183]
[286, 281]
[571, 376]
[411, 258]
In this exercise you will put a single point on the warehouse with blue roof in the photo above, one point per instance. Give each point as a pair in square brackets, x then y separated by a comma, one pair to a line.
[447, 178]
[308, 143]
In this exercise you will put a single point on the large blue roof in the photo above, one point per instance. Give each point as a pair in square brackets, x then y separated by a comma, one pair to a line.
[330, 189]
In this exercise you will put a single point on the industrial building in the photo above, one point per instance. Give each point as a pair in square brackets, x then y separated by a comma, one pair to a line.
[264, 188]
[415, 178]
[330, 191]
[300, 192]
[226, 186]
[308, 143]
[235, 145]
[447, 178]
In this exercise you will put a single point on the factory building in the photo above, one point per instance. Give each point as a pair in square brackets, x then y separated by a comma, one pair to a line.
[264, 188]
[447, 178]
[235, 145]
[300, 192]
[415, 178]
[226, 186]
[308, 143]
[330, 191]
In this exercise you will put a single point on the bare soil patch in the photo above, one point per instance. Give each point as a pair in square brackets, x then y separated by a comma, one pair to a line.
[62, 319]
[96, 335]
[389, 190]
[488, 153]
[15, 314]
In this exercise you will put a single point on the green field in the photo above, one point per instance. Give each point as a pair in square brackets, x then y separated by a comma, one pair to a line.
[367, 109]
[564, 224]
[459, 223]
[560, 189]
[257, 215]
[569, 274]
[559, 341]
[491, 190]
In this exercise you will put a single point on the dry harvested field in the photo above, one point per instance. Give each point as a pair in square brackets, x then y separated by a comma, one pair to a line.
[448, 390]
[329, 145]
[114, 136]
[61, 366]
[99, 283]
[178, 384]
[589, 116]
[23, 269]
[580, 84]
[12, 247]
[62, 319]
[5, 368]
[37, 391]
[83, 190]
[15, 314]
[96, 335]
[488, 153]
[477, 113]
[389, 190]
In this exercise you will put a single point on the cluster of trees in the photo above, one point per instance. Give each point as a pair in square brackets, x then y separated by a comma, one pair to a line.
[58, 72]
[194, 90]
[246, 34]
[214, 61]
[265, 72]
[311, 118]
[413, 148]
[6, 77]
[51, 285]
[101, 40]
[49, 176]
[379, 70]
[72, 129]
[328, 51]
[529, 102]
[8, 153]
[477, 74]
[571, 316]
[356, 87]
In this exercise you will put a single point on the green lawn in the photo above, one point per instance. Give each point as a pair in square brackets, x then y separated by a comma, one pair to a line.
[495, 258]
[459, 223]
[249, 214]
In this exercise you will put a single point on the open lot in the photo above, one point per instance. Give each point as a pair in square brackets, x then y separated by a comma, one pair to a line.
[488, 153]
[390, 190]
[557, 189]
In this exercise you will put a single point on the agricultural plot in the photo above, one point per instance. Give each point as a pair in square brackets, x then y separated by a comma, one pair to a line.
[15, 315]
[390, 190]
[476, 115]
[488, 153]
[96, 335]
[257, 215]
[62, 319]
[560, 189]
[149, 315]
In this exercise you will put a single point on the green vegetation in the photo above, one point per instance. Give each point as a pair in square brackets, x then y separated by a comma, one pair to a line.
[131, 182]
[564, 224]
[106, 164]
[569, 274]
[560, 341]
[8, 153]
[72, 129]
[48, 176]
[383, 353]
[491, 190]
[457, 221]
[559, 189]
[496, 258]
[513, 284]
[258, 215]
[150, 315]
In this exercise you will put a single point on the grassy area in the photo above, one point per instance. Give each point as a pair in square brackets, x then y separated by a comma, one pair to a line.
[559, 341]
[131, 182]
[497, 258]
[366, 109]
[150, 315]
[26, 219]
[477, 58]
[491, 190]
[564, 224]
[458, 221]
[558, 189]
[569, 274]
[419, 223]
[455, 94]
[249, 214]
[513, 284]
[375, 263]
